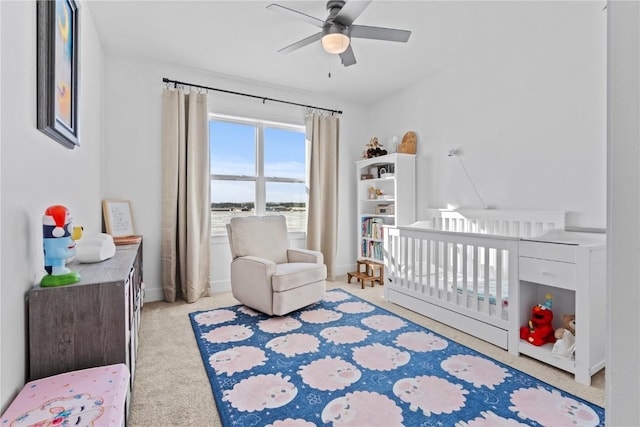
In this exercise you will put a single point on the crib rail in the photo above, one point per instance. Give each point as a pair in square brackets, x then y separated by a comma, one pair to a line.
[463, 273]
[522, 224]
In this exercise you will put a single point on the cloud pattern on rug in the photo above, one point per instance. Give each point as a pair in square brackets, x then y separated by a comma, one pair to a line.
[345, 362]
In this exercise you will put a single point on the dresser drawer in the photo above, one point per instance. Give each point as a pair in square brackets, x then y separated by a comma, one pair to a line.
[551, 273]
[545, 250]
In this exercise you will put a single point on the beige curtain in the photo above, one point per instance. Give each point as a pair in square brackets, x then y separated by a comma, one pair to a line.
[322, 222]
[185, 196]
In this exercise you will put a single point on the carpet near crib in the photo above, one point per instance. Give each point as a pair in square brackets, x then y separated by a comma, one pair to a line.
[346, 362]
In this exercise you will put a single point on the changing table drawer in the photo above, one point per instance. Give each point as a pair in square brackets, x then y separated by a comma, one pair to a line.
[550, 251]
[552, 273]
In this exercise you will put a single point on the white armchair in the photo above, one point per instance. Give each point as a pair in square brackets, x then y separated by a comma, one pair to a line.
[266, 274]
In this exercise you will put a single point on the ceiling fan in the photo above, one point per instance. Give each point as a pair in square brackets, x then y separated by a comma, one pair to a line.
[338, 29]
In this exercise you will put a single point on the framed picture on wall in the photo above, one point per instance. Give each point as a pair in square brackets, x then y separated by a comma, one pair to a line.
[57, 72]
[118, 221]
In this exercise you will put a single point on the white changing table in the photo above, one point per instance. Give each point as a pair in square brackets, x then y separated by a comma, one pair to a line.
[572, 267]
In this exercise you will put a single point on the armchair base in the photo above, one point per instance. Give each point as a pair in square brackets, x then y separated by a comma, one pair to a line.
[294, 299]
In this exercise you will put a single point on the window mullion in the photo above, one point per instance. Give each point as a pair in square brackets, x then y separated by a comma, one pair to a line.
[276, 179]
[260, 182]
[233, 177]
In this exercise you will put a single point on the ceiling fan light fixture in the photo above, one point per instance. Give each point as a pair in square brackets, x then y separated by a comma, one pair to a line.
[339, 27]
[335, 41]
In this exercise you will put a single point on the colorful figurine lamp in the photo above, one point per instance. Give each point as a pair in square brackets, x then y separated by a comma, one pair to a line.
[59, 236]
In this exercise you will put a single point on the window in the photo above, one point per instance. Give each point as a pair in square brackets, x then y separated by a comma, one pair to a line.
[257, 168]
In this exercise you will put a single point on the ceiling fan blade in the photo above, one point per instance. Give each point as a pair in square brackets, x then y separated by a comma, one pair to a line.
[350, 11]
[295, 14]
[380, 33]
[301, 43]
[347, 57]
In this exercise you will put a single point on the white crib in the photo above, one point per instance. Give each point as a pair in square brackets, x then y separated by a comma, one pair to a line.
[461, 268]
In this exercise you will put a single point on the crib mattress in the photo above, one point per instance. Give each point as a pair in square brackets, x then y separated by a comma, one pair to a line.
[445, 288]
[460, 284]
[456, 297]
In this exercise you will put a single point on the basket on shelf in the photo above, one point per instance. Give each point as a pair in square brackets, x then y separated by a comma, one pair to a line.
[408, 145]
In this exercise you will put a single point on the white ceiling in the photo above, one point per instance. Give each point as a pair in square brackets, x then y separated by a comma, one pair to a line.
[241, 39]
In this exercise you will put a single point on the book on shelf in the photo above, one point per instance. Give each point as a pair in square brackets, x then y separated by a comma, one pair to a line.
[126, 240]
[372, 228]
[371, 249]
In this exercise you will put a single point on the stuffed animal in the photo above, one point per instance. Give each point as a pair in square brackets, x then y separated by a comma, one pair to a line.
[540, 330]
[565, 345]
[374, 149]
[568, 324]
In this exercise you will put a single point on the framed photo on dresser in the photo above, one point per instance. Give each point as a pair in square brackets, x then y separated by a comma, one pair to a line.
[118, 221]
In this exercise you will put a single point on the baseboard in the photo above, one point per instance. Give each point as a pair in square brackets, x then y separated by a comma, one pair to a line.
[220, 286]
[156, 294]
[152, 295]
[341, 271]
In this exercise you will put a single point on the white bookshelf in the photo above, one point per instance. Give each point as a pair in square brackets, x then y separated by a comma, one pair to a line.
[396, 205]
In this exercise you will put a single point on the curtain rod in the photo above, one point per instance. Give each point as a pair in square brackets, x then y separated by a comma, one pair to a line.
[263, 98]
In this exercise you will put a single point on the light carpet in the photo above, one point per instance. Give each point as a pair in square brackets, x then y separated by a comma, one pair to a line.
[345, 361]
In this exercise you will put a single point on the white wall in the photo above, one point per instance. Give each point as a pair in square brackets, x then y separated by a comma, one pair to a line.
[133, 89]
[623, 239]
[1, 393]
[527, 112]
[37, 172]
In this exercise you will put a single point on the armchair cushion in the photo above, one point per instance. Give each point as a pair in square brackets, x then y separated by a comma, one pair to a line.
[295, 274]
[260, 236]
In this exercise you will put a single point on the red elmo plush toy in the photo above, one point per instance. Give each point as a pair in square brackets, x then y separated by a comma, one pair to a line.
[540, 330]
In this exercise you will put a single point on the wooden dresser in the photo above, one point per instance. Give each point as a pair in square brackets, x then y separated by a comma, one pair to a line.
[91, 323]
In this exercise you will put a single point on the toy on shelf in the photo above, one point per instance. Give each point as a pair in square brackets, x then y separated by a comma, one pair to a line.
[374, 149]
[59, 243]
[540, 330]
[568, 324]
[565, 344]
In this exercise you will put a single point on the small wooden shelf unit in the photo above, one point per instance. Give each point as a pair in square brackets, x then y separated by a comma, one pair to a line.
[368, 271]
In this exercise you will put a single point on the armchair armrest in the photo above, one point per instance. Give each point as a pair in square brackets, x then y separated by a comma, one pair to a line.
[254, 267]
[251, 282]
[305, 255]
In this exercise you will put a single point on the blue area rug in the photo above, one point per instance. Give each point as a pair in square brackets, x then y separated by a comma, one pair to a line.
[346, 362]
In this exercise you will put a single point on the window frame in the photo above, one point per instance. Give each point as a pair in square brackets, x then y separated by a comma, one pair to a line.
[259, 178]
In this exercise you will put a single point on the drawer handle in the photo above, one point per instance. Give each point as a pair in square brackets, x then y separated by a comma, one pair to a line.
[546, 273]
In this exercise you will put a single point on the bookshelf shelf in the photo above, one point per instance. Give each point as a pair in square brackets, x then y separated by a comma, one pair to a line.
[383, 201]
